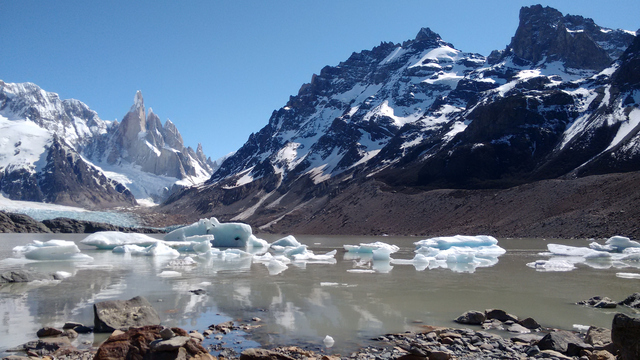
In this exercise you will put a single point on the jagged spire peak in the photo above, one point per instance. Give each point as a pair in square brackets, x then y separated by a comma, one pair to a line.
[427, 34]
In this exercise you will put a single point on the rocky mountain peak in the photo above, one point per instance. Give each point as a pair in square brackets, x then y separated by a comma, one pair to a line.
[427, 34]
[138, 101]
[544, 34]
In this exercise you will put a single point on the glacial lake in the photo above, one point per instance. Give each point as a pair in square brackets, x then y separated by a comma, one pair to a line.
[306, 302]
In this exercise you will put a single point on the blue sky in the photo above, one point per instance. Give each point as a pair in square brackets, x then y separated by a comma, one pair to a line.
[218, 69]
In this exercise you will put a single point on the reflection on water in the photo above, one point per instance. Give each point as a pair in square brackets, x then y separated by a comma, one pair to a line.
[307, 301]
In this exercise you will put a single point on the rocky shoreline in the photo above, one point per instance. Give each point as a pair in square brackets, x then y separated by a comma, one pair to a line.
[20, 223]
[135, 333]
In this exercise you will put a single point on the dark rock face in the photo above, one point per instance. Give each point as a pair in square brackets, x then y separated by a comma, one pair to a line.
[71, 226]
[68, 180]
[19, 223]
[123, 314]
[545, 34]
[625, 333]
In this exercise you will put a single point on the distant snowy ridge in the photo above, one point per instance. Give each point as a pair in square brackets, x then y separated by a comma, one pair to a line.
[562, 99]
[137, 158]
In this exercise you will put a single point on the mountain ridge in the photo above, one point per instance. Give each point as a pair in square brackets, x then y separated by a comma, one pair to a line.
[423, 115]
[60, 151]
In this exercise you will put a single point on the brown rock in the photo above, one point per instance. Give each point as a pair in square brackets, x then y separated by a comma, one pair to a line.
[146, 343]
[123, 314]
[597, 336]
[48, 331]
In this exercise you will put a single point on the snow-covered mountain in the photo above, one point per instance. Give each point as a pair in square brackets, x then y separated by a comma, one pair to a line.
[60, 151]
[561, 100]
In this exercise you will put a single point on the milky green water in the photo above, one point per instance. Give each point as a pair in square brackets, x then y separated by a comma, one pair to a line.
[304, 303]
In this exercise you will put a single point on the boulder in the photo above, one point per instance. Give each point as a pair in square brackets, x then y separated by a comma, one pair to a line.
[625, 334]
[519, 329]
[147, 343]
[171, 344]
[527, 338]
[529, 323]
[598, 336]
[564, 342]
[500, 315]
[632, 300]
[471, 318]
[599, 302]
[123, 314]
[48, 331]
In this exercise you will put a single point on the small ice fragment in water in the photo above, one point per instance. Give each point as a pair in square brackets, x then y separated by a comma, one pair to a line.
[628, 275]
[63, 274]
[167, 273]
[581, 328]
[551, 265]
[328, 341]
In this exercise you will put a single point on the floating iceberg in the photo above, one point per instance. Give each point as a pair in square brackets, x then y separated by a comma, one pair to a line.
[224, 234]
[275, 267]
[225, 255]
[615, 244]
[447, 242]
[458, 253]
[169, 274]
[628, 275]
[584, 252]
[551, 265]
[157, 249]
[309, 256]
[52, 250]
[108, 240]
[128, 249]
[383, 253]
[370, 247]
[617, 252]
[287, 241]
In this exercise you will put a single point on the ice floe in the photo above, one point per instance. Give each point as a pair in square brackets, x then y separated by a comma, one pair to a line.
[370, 247]
[157, 249]
[109, 240]
[51, 250]
[458, 253]
[628, 275]
[617, 252]
[553, 264]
